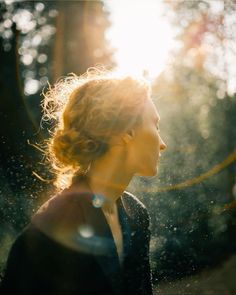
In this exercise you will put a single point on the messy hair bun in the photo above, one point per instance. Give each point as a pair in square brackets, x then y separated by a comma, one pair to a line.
[72, 147]
[87, 111]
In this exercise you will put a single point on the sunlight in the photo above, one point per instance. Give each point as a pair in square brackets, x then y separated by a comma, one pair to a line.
[141, 36]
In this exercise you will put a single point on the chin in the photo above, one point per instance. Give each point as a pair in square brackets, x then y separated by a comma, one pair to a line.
[148, 173]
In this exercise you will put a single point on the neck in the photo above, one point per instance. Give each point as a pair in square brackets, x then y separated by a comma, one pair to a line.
[109, 177]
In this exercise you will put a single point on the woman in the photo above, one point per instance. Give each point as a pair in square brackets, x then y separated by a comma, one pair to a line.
[92, 236]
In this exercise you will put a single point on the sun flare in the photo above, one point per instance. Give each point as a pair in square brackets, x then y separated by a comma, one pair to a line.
[141, 36]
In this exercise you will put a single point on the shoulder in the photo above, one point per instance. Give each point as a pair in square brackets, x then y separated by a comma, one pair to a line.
[60, 216]
[135, 209]
[62, 206]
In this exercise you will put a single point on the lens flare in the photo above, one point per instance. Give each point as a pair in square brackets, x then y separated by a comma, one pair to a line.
[86, 231]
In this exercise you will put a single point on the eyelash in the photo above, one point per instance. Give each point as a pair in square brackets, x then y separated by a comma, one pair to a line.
[157, 127]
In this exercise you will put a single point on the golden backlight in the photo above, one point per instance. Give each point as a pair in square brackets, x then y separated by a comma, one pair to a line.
[141, 35]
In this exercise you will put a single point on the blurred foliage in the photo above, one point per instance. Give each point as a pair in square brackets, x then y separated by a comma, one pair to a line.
[53, 38]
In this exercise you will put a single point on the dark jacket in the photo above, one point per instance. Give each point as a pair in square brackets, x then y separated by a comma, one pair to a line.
[68, 248]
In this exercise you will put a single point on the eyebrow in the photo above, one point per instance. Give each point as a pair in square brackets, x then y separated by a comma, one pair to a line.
[157, 119]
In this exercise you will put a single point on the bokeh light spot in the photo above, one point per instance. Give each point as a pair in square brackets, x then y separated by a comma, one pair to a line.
[31, 86]
[86, 231]
[98, 201]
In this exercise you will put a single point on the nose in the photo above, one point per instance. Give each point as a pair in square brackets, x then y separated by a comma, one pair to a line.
[163, 146]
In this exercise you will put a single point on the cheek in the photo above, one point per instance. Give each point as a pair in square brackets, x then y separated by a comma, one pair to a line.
[155, 139]
[146, 143]
[140, 146]
[158, 141]
[151, 144]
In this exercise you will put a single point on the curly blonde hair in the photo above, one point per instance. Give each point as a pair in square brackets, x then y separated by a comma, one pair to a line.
[88, 111]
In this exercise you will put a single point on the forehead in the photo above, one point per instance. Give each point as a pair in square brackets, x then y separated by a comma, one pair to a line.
[151, 110]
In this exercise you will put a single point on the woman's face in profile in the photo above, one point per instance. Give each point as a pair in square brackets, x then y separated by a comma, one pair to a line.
[147, 143]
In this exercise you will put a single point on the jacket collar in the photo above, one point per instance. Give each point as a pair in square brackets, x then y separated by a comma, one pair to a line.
[101, 243]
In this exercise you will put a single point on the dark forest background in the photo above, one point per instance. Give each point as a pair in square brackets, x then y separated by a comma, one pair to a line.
[192, 200]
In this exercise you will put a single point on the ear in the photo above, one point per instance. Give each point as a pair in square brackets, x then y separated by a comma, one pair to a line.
[128, 136]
